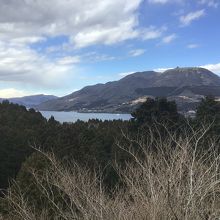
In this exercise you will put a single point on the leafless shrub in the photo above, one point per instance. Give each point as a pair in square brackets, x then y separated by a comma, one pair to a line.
[166, 183]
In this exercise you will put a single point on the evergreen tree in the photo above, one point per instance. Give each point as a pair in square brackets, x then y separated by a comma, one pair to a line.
[156, 110]
[208, 113]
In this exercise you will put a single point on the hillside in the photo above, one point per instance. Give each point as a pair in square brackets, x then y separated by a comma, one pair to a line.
[31, 101]
[185, 85]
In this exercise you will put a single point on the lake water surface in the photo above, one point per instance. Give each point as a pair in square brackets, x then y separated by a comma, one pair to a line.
[74, 116]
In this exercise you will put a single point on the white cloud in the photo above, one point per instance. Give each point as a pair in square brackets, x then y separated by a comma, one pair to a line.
[158, 1]
[187, 19]
[193, 46]
[136, 52]
[215, 68]
[18, 63]
[163, 1]
[152, 33]
[125, 74]
[11, 92]
[106, 35]
[125, 31]
[168, 39]
[161, 70]
[210, 3]
[85, 22]
[69, 60]
[95, 57]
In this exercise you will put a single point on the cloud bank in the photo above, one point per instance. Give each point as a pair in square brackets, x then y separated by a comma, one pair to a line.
[85, 23]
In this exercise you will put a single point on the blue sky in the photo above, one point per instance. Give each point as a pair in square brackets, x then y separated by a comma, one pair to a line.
[57, 47]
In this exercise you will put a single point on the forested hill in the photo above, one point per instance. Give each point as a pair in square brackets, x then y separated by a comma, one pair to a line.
[92, 142]
[21, 128]
[95, 148]
[18, 128]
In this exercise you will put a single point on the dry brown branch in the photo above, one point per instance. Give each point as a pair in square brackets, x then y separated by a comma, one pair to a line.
[169, 183]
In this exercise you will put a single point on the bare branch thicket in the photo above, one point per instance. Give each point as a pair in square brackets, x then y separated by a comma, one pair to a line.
[181, 182]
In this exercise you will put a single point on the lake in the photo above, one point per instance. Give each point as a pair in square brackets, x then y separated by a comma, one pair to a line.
[74, 116]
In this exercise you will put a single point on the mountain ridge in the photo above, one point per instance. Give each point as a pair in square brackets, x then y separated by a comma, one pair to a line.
[30, 101]
[117, 96]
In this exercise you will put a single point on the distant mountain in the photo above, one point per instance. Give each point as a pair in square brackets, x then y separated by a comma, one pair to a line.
[31, 101]
[185, 85]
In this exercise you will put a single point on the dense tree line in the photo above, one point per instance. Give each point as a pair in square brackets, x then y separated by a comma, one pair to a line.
[92, 144]
[18, 128]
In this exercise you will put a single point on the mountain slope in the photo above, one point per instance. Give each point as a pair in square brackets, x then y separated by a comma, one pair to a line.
[180, 77]
[119, 96]
[31, 101]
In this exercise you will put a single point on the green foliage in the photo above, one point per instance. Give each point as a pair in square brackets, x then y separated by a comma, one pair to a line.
[88, 143]
[92, 144]
[208, 113]
[18, 128]
[26, 182]
[208, 110]
[156, 110]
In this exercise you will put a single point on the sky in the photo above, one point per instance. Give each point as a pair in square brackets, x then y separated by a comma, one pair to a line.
[59, 46]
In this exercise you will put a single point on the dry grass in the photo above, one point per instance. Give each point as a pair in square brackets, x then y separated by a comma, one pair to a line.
[167, 183]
